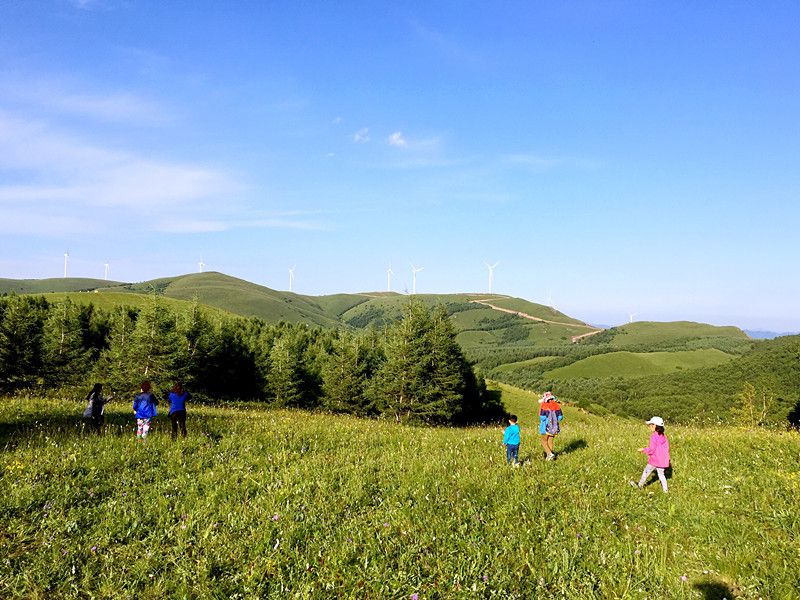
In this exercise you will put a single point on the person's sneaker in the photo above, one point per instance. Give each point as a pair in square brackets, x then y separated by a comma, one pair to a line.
[634, 484]
[551, 457]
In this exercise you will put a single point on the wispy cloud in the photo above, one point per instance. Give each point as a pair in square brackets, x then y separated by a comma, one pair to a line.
[54, 182]
[361, 136]
[397, 139]
[50, 96]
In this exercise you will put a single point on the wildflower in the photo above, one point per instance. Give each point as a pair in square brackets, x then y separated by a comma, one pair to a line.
[94, 548]
[414, 596]
[275, 517]
[485, 578]
[684, 578]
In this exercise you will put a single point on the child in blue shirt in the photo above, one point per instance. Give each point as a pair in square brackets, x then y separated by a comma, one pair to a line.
[144, 406]
[511, 440]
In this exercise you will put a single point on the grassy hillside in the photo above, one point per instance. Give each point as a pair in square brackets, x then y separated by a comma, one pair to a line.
[269, 503]
[655, 334]
[108, 300]
[630, 364]
[61, 284]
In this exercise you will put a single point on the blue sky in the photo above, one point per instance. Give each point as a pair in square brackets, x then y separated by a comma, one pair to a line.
[614, 157]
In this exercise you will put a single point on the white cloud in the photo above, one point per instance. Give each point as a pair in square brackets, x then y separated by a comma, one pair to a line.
[397, 139]
[361, 136]
[61, 97]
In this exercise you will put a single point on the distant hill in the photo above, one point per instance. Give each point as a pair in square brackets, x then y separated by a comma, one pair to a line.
[61, 284]
[493, 329]
[767, 335]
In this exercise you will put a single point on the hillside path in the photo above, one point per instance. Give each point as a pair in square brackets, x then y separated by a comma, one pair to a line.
[518, 313]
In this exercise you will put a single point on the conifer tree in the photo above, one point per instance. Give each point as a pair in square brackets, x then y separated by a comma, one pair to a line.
[155, 344]
[344, 375]
[65, 359]
[284, 378]
[115, 364]
[21, 329]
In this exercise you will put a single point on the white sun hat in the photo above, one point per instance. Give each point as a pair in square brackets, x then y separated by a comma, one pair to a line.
[656, 421]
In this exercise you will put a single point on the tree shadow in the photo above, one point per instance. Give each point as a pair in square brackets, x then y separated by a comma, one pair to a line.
[714, 590]
[37, 429]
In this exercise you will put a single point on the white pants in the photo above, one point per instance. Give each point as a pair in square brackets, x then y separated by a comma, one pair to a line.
[646, 473]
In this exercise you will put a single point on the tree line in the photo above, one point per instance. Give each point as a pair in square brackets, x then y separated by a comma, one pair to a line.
[412, 370]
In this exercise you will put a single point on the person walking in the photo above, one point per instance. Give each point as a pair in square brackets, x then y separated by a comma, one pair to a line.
[511, 440]
[144, 406]
[550, 417]
[177, 409]
[96, 408]
[657, 453]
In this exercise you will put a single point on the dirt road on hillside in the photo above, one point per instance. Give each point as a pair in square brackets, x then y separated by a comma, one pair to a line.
[518, 313]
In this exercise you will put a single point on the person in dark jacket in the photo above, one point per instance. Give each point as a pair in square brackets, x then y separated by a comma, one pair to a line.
[144, 406]
[96, 407]
[177, 408]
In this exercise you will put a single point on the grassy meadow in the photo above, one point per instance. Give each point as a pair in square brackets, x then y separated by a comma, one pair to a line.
[273, 503]
[639, 364]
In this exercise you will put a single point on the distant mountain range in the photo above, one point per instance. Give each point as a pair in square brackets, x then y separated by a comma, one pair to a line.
[767, 335]
[486, 324]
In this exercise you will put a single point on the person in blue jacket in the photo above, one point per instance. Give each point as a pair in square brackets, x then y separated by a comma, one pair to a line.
[144, 406]
[511, 440]
[177, 409]
[550, 416]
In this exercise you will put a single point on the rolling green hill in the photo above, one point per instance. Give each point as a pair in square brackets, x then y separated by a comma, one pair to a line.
[61, 284]
[639, 364]
[654, 334]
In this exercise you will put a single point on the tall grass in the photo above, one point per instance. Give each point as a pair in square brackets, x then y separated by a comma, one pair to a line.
[273, 503]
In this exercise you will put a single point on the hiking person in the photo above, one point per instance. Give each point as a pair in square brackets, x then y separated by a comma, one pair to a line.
[144, 406]
[96, 407]
[511, 440]
[550, 416]
[177, 409]
[657, 454]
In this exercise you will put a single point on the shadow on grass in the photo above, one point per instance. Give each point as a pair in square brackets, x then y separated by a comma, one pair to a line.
[573, 446]
[38, 428]
[714, 590]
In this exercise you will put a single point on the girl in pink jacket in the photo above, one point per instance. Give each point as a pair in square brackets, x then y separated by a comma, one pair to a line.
[657, 454]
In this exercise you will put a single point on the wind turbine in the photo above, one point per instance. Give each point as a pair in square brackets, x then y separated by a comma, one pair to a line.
[105, 270]
[491, 273]
[291, 277]
[630, 317]
[414, 271]
[201, 265]
[66, 261]
[389, 274]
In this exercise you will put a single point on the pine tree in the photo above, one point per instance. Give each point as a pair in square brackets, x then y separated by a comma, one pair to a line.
[115, 364]
[155, 345]
[21, 330]
[65, 360]
[284, 379]
[344, 375]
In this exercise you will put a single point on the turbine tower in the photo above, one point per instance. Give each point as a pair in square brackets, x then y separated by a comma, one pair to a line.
[491, 273]
[291, 277]
[201, 265]
[414, 271]
[630, 317]
[66, 261]
[389, 274]
[105, 270]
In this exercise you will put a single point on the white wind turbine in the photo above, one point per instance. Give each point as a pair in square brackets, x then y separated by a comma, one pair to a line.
[201, 265]
[291, 277]
[66, 262]
[491, 273]
[414, 271]
[106, 268]
[630, 317]
[389, 274]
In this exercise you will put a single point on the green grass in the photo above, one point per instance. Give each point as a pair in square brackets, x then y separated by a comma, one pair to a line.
[61, 284]
[273, 503]
[647, 333]
[637, 364]
[523, 364]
